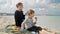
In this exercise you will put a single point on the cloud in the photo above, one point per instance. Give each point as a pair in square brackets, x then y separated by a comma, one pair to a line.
[55, 1]
[43, 11]
[42, 7]
[54, 9]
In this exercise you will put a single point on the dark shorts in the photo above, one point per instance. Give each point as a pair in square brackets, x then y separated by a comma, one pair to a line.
[18, 24]
[35, 29]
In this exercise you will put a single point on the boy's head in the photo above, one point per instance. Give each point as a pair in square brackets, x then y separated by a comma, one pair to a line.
[19, 6]
[30, 13]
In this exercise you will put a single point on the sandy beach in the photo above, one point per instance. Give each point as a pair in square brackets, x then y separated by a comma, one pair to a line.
[43, 21]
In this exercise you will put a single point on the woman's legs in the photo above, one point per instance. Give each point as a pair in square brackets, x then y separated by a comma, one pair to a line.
[45, 32]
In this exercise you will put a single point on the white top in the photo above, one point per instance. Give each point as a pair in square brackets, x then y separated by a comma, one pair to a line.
[28, 23]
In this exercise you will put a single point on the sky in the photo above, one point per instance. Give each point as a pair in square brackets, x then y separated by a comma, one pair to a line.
[41, 7]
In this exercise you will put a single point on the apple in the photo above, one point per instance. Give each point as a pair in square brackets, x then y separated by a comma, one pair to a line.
[17, 28]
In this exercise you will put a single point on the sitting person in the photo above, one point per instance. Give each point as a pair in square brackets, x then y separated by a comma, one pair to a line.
[30, 25]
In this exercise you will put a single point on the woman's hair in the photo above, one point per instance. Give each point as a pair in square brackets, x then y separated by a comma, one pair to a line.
[30, 11]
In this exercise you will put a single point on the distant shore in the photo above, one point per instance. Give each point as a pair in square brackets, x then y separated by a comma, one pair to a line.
[11, 14]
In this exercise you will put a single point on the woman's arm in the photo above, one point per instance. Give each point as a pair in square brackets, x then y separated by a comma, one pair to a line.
[35, 20]
[23, 26]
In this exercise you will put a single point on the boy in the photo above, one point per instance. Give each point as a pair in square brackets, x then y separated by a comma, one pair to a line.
[19, 16]
[30, 25]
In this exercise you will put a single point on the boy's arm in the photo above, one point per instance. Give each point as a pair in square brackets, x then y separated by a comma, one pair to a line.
[22, 16]
[17, 15]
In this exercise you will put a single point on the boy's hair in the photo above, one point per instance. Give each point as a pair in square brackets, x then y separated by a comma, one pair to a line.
[19, 4]
[30, 12]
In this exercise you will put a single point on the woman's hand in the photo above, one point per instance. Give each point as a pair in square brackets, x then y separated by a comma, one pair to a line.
[36, 18]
